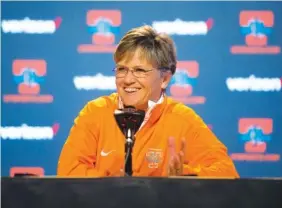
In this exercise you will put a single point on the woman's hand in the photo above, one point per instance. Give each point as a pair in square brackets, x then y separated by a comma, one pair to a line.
[176, 160]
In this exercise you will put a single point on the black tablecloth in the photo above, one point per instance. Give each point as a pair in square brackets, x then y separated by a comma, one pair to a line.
[140, 192]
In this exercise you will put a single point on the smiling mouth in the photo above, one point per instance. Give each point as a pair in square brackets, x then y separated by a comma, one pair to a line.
[131, 89]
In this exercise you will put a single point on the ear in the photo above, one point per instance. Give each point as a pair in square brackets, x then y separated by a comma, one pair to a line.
[166, 76]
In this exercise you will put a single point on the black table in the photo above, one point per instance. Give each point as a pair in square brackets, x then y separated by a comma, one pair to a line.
[135, 192]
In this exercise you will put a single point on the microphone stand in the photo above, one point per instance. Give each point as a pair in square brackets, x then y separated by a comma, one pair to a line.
[129, 121]
[129, 142]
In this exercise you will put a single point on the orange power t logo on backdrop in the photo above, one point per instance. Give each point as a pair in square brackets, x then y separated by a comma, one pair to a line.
[255, 133]
[28, 74]
[36, 171]
[103, 25]
[257, 26]
[183, 82]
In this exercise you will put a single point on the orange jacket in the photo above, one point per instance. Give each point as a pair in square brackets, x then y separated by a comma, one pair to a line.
[95, 145]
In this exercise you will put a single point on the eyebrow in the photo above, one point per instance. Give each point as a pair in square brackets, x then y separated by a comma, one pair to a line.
[138, 66]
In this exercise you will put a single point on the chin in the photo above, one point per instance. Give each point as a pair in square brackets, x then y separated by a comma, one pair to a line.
[137, 104]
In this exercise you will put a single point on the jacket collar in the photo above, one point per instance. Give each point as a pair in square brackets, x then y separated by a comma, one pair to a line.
[151, 104]
[154, 112]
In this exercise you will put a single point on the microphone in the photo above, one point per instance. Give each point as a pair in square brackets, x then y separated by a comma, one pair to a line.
[129, 121]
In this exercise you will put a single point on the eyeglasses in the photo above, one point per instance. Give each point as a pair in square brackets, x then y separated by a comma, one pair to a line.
[137, 72]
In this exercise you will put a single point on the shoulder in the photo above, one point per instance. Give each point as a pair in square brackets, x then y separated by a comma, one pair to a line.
[96, 109]
[100, 105]
[103, 102]
[181, 112]
[178, 109]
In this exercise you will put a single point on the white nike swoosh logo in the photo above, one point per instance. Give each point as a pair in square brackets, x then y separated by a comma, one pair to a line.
[106, 153]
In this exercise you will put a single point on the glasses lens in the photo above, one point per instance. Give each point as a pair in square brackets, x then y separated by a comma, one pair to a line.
[120, 72]
[139, 73]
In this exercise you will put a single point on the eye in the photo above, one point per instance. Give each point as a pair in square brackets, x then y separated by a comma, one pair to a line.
[120, 69]
[139, 70]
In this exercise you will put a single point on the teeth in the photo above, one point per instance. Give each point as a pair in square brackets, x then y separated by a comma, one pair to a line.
[130, 89]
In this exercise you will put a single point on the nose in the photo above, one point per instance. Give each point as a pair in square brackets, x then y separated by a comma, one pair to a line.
[129, 78]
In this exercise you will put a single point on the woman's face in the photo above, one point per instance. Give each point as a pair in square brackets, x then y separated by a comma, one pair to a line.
[141, 83]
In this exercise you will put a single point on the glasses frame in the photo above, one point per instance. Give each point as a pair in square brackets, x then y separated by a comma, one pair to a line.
[162, 69]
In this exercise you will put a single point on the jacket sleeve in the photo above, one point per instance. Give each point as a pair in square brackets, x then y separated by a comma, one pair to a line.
[205, 155]
[78, 154]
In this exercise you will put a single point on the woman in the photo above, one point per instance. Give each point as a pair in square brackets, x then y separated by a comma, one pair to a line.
[172, 140]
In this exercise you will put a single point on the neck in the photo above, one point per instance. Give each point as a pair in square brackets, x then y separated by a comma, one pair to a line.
[145, 106]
